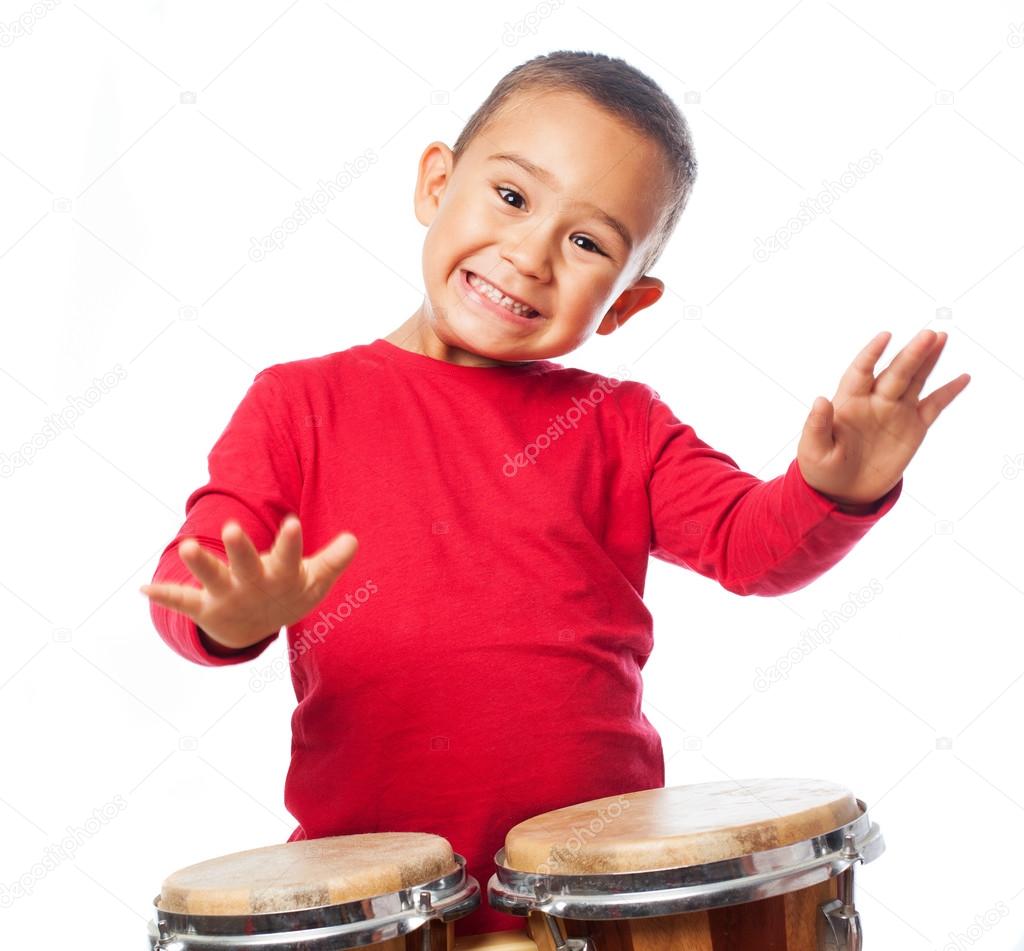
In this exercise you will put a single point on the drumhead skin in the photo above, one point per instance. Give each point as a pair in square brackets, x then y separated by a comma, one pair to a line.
[307, 873]
[678, 826]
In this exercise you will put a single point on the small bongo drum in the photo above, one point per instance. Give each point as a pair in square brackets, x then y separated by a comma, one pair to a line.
[751, 865]
[337, 892]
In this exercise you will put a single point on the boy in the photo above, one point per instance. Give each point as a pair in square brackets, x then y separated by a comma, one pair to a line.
[480, 662]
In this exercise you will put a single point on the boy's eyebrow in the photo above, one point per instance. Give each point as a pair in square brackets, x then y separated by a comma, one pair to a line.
[548, 179]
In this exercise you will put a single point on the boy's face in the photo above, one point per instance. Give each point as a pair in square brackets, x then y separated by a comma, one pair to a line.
[543, 242]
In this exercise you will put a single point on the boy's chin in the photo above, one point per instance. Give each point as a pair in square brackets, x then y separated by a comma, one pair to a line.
[488, 344]
[480, 335]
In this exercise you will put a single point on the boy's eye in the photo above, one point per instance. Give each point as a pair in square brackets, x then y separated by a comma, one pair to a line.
[499, 189]
[595, 247]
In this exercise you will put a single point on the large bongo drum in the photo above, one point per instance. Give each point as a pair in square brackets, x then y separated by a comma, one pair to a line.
[400, 891]
[750, 865]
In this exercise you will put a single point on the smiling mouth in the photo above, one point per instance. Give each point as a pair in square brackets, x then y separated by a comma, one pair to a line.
[496, 296]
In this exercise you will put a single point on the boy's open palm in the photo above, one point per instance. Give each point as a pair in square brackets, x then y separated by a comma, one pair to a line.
[854, 449]
[253, 595]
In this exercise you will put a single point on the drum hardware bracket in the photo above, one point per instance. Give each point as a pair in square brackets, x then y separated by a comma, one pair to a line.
[839, 926]
[166, 939]
[425, 906]
[562, 943]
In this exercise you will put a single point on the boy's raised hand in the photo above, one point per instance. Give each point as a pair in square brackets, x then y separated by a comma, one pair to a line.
[854, 449]
[253, 596]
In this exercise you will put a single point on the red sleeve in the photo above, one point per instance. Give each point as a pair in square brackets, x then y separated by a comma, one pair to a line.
[751, 536]
[254, 478]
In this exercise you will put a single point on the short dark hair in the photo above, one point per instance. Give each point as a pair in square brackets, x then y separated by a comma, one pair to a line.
[623, 91]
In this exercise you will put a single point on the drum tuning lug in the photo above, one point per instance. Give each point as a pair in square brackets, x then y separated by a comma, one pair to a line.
[839, 923]
[163, 940]
[425, 903]
[566, 944]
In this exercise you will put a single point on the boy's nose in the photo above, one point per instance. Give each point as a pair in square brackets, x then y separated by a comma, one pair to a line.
[528, 255]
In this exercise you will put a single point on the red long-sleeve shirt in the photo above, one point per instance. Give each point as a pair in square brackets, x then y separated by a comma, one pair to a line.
[479, 661]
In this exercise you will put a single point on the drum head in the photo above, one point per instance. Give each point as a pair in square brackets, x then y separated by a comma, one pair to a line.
[307, 874]
[678, 826]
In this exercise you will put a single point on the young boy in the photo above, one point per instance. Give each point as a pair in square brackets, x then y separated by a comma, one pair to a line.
[480, 661]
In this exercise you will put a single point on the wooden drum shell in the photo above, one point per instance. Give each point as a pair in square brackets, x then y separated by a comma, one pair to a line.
[781, 923]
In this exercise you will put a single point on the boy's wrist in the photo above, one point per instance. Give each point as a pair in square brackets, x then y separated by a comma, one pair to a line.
[863, 509]
[215, 647]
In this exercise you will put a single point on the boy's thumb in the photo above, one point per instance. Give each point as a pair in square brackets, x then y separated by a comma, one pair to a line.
[818, 427]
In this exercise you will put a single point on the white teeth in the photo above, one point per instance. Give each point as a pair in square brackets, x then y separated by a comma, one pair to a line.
[492, 293]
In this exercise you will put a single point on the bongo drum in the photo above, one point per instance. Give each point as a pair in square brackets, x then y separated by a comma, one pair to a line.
[395, 890]
[750, 865]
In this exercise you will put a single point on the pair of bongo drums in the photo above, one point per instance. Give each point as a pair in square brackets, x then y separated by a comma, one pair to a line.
[750, 865]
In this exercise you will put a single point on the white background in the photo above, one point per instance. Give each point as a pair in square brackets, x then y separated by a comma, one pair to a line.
[128, 215]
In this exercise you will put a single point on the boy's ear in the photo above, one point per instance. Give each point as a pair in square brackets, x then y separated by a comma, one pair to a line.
[640, 294]
[435, 169]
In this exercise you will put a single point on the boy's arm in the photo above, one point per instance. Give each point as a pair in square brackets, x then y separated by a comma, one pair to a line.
[254, 478]
[751, 536]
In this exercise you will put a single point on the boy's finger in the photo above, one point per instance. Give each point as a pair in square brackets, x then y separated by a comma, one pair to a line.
[186, 599]
[931, 407]
[286, 552]
[860, 375]
[207, 568]
[893, 381]
[333, 558]
[917, 382]
[243, 559]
